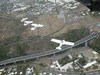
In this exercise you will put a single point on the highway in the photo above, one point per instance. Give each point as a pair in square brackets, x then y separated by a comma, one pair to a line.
[45, 53]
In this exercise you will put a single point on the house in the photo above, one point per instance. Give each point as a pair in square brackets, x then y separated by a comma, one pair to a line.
[89, 64]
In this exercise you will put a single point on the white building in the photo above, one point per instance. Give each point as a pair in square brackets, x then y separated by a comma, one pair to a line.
[67, 66]
[89, 64]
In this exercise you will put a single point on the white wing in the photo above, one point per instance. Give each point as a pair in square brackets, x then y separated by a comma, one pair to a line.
[37, 25]
[25, 24]
[34, 24]
[33, 28]
[68, 43]
[56, 41]
[23, 19]
[59, 48]
[28, 22]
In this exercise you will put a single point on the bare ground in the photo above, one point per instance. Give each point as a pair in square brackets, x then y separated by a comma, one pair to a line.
[10, 28]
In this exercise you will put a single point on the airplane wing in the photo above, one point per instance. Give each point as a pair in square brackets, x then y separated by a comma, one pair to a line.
[33, 28]
[25, 24]
[28, 22]
[23, 19]
[58, 48]
[40, 25]
[34, 24]
[68, 43]
[37, 25]
[56, 41]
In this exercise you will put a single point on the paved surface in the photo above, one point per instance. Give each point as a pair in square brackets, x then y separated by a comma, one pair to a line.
[60, 73]
[41, 54]
[97, 72]
[48, 71]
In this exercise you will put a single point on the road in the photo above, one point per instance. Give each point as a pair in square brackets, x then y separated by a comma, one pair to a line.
[97, 72]
[55, 72]
[48, 52]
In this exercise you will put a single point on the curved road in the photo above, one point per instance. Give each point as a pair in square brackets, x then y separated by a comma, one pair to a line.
[41, 54]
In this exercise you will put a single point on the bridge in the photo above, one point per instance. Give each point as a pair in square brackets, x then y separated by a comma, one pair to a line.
[49, 52]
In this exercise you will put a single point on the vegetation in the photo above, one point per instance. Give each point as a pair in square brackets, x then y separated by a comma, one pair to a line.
[36, 71]
[95, 45]
[12, 51]
[42, 65]
[95, 67]
[82, 61]
[98, 60]
[75, 57]
[64, 60]
[21, 48]
[11, 40]
[9, 48]
[76, 34]
[3, 53]
[21, 68]
[53, 45]
[96, 14]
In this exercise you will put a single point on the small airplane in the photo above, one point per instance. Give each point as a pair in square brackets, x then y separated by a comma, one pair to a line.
[27, 23]
[36, 26]
[62, 42]
[24, 19]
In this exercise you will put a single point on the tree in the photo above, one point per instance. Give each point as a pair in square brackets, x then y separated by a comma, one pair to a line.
[95, 45]
[82, 61]
[77, 34]
[3, 53]
[21, 48]
[64, 60]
